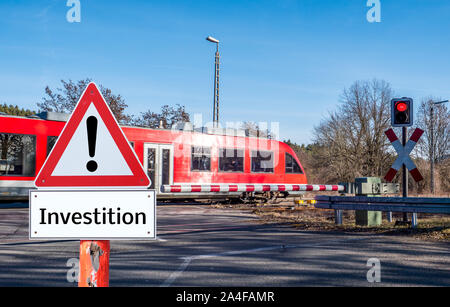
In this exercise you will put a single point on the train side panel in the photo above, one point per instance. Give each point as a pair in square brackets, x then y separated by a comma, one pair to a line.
[41, 132]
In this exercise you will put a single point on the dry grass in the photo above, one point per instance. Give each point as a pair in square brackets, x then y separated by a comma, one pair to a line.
[430, 227]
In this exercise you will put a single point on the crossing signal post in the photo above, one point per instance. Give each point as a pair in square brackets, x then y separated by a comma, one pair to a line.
[402, 115]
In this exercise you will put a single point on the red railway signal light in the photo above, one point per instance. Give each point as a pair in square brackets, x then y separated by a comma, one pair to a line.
[402, 112]
[401, 106]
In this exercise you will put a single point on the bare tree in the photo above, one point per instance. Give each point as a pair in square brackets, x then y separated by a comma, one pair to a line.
[253, 129]
[64, 99]
[352, 141]
[168, 117]
[435, 145]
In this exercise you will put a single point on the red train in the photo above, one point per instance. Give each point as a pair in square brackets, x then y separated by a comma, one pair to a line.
[171, 157]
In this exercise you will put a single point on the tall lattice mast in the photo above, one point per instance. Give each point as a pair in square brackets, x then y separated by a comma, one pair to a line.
[216, 88]
[216, 82]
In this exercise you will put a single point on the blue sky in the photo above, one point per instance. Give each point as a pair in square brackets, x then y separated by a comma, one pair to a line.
[282, 61]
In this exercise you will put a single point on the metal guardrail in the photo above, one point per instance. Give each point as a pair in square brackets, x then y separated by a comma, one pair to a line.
[389, 204]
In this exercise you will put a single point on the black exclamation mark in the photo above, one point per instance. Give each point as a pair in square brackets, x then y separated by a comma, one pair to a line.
[91, 124]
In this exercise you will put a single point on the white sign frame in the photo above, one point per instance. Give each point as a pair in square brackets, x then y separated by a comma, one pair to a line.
[98, 195]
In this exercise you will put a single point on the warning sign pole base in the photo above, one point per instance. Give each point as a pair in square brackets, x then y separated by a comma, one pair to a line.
[94, 263]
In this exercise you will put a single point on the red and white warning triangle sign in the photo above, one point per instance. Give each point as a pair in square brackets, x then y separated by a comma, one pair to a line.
[92, 151]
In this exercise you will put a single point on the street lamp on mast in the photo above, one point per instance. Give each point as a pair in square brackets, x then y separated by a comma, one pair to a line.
[216, 81]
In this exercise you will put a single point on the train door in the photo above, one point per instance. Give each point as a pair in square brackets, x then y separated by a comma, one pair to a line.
[158, 161]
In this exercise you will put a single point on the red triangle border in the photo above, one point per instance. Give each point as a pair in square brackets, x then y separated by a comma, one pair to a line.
[90, 96]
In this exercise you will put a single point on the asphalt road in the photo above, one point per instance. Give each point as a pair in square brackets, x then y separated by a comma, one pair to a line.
[204, 246]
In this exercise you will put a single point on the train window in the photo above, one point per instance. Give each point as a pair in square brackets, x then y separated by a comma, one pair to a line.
[17, 155]
[51, 140]
[231, 160]
[262, 161]
[165, 176]
[201, 159]
[151, 165]
[292, 166]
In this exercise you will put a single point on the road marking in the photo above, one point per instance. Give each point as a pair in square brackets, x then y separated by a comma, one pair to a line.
[187, 260]
[177, 273]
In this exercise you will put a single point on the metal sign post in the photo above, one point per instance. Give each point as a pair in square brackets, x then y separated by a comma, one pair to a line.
[94, 264]
[404, 174]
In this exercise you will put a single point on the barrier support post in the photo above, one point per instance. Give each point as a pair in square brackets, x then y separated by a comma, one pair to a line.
[389, 216]
[414, 220]
[94, 263]
[338, 217]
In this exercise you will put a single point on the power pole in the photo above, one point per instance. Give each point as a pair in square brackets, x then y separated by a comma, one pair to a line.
[404, 173]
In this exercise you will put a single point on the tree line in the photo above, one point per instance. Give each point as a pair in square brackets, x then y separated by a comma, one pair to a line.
[15, 110]
[64, 99]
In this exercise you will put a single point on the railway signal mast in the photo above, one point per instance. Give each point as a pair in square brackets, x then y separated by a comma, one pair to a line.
[402, 116]
[216, 82]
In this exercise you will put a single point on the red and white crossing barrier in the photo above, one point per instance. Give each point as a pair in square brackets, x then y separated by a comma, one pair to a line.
[403, 155]
[208, 188]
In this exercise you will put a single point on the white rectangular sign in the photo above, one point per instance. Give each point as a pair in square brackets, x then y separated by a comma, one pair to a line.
[92, 214]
